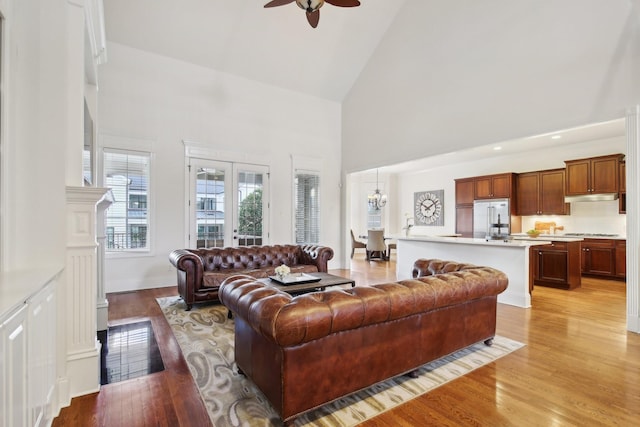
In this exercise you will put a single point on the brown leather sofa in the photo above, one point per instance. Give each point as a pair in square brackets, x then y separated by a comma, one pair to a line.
[201, 271]
[309, 350]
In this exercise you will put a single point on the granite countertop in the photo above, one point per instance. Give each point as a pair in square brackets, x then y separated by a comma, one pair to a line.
[481, 242]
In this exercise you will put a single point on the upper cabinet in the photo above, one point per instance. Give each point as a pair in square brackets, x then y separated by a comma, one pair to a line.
[541, 193]
[595, 175]
[494, 186]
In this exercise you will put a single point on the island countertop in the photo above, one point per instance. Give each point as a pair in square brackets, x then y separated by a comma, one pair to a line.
[521, 242]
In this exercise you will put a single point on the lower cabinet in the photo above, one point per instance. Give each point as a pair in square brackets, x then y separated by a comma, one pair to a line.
[621, 259]
[604, 258]
[28, 362]
[556, 265]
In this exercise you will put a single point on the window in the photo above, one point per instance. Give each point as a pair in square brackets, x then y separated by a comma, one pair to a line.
[307, 204]
[374, 217]
[127, 221]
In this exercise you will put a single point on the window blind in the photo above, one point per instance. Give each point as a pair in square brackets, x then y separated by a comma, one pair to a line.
[307, 205]
[127, 219]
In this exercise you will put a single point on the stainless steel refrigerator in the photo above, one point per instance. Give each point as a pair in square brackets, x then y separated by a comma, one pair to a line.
[491, 219]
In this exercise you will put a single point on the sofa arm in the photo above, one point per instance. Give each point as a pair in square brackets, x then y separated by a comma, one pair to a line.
[316, 255]
[192, 270]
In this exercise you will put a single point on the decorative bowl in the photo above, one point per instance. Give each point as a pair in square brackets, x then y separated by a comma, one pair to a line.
[533, 233]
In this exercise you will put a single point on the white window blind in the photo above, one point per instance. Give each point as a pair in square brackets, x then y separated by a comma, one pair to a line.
[307, 203]
[127, 219]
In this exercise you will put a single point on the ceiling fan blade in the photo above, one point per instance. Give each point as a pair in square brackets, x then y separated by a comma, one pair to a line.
[275, 3]
[344, 3]
[313, 18]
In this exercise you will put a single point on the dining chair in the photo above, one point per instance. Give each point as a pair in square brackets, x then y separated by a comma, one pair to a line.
[389, 247]
[355, 244]
[375, 245]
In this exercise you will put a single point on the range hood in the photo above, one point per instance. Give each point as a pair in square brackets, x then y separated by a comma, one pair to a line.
[603, 197]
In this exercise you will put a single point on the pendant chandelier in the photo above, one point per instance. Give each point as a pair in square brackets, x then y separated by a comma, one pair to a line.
[377, 200]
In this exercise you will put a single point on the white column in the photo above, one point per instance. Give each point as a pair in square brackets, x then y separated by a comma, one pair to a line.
[102, 303]
[82, 345]
[633, 220]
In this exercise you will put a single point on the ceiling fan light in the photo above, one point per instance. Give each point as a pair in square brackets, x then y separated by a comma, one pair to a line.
[310, 5]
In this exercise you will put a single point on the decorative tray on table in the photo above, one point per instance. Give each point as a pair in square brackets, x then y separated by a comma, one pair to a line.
[295, 279]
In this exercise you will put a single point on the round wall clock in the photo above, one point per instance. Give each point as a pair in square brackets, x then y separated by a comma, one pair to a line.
[428, 207]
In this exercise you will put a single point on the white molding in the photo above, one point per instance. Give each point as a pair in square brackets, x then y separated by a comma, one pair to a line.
[204, 151]
[633, 222]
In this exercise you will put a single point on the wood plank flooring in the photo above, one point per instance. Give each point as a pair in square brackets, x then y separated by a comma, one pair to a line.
[580, 367]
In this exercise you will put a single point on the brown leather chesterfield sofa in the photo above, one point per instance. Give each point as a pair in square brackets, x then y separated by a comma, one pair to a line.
[201, 271]
[306, 351]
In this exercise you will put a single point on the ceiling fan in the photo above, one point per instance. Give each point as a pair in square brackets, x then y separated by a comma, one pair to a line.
[312, 7]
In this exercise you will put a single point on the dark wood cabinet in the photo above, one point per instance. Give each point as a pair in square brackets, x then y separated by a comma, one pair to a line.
[464, 206]
[595, 175]
[464, 220]
[541, 193]
[598, 257]
[621, 259]
[556, 265]
[464, 191]
[494, 186]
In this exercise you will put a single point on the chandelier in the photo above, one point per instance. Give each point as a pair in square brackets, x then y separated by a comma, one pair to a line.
[377, 200]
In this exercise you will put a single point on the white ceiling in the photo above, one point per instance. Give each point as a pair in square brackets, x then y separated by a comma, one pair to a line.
[275, 46]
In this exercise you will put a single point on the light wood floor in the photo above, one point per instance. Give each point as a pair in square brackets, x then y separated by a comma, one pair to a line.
[580, 367]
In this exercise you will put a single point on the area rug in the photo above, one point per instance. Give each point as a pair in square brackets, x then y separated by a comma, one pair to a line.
[205, 335]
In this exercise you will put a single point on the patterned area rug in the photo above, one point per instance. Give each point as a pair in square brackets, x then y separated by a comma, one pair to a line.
[205, 336]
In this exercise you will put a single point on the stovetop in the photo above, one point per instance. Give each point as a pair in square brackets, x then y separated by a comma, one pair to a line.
[590, 235]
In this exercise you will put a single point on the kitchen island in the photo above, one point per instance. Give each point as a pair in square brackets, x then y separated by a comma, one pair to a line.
[509, 256]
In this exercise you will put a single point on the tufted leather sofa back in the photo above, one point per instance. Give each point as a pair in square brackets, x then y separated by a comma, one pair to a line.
[250, 257]
[290, 321]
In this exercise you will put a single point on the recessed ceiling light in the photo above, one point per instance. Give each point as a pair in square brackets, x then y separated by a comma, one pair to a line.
[556, 137]
[497, 148]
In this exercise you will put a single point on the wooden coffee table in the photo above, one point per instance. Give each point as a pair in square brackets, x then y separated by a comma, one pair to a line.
[326, 280]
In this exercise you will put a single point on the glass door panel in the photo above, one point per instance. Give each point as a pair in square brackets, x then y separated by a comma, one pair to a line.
[227, 204]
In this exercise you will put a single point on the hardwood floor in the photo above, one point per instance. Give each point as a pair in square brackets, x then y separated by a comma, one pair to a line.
[580, 367]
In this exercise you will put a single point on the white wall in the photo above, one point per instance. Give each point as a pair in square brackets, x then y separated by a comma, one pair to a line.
[34, 133]
[161, 102]
[453, 75]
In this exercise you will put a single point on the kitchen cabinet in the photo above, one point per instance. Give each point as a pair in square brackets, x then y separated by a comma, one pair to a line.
[494, 186]
[464, 191]
[621, 258]
[541, 193]
[598, 257]
[464, 221]
[595, 175]
[464, 206]
[556, 265]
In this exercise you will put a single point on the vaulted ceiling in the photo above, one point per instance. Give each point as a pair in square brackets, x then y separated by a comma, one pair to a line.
[275, 46]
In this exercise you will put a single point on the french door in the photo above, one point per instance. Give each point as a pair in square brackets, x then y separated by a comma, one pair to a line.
[228, 204]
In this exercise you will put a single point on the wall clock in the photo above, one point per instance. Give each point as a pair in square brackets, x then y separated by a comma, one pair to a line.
[428, 207]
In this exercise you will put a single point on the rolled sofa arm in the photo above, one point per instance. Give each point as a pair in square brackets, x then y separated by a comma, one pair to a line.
[189, 263]
[317, 255]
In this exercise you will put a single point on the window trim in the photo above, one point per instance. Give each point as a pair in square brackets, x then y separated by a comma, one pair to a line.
[295, 206]
[123, 145]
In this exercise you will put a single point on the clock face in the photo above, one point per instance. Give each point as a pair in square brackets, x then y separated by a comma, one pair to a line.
[428, 208]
